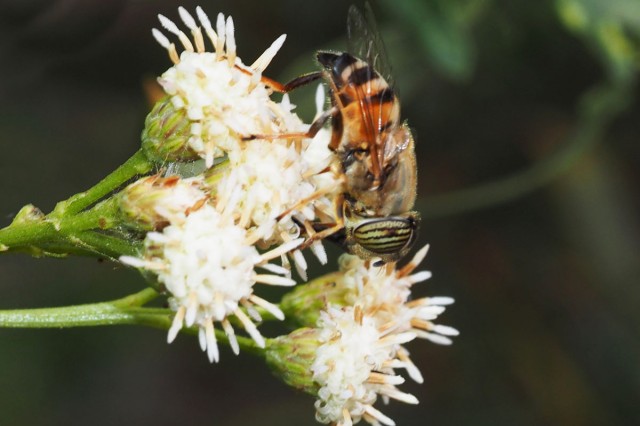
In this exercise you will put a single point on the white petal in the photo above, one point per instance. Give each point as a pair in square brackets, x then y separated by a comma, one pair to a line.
[379, 416]
[133, 261]
[250, 328]
[264, 60]
[435, 338]
[276, 269]
[176, 325]
[187, 18]
[318, 250]
[160, 38]
[212, 345]
[274, 280]
[400, 396]
[231, 41]
[220, 29]
[284, 248]
[319, 100]
[206, 24]
[231, 335]
[441, 300]
[445, 329]
[267, 306]
[300, 264]
[419, 277]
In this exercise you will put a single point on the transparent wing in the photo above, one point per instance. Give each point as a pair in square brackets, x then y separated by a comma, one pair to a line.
[364, 41]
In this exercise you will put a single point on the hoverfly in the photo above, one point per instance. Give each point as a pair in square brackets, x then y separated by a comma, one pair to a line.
[374, 151]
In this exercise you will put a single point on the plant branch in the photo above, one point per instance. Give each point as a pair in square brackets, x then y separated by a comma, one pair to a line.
[137, 164]
[128, 310]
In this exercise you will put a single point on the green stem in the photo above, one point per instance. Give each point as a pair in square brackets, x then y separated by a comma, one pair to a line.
[68, 225]
[27, 234]
[140, 298]
[598, 108]
[102, 245]
[137, 164]
[102, 216]
[69, 234]
[128, 310]
[121, 311]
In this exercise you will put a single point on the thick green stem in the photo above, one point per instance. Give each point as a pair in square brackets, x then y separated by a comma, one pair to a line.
[26, 234]
[42, 236]
[136, 165]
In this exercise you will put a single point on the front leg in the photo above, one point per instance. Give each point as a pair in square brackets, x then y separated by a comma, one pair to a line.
[303, 80]
[313, 129]
[340, 205]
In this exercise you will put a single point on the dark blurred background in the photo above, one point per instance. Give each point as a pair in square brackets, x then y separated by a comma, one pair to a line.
[527, 125]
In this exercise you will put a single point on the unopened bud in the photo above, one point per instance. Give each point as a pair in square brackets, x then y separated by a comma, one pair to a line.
[303, 305]
[290, 358]
[166, 134]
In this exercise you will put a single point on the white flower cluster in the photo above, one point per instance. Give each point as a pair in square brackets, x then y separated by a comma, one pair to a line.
[224, 99]
[204, 250]
[362, 342]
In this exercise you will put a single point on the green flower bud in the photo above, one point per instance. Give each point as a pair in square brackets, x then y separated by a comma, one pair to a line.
[302, 306]
[290, 358]
[166, 134]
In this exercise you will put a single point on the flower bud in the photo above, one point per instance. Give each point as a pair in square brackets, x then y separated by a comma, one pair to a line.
[302, 306]
[153, 202]
[290, 358]
[166, 134]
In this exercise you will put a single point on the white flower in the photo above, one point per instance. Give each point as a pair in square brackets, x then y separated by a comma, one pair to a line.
[224, 99]
[353, 365]
[384, 293]
[207, 263]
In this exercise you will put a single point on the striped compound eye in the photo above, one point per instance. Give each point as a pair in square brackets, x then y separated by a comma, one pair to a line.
[386, 237]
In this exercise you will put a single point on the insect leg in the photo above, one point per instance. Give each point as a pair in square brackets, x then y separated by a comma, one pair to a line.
[304, 201]
[339, 225]
[303, 80]
[313, 129]
[284, 88]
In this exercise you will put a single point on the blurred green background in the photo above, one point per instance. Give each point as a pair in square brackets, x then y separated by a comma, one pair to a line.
[527, 122]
